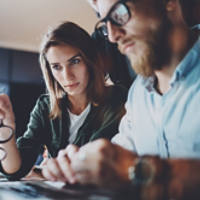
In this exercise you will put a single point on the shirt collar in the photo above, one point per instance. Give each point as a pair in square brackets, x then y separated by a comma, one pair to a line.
[149, 83]
[197, 26]
[182, 70]
[187, 63]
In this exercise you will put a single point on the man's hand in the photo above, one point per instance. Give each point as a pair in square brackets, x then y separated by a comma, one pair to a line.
[102, 163]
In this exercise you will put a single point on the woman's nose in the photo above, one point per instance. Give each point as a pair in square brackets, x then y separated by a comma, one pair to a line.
[67, 73]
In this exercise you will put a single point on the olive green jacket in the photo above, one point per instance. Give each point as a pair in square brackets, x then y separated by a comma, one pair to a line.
[54, 133]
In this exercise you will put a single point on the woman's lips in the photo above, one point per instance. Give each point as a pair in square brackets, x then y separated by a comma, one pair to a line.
[72, 85]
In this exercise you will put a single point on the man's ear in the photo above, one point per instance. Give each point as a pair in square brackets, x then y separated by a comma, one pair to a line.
[171, 5]
[174, 10]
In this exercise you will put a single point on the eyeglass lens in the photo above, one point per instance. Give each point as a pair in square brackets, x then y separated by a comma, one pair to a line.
[118, 16]
[5, 134]
[2, 154]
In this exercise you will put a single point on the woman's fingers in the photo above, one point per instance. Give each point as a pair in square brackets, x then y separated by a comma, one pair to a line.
[65, 167]
[6, 111]
[47, 174]
[59, 168]
[52, 171]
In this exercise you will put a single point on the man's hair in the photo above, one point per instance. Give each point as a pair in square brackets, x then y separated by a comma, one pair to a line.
[191, 10]
[73, 35]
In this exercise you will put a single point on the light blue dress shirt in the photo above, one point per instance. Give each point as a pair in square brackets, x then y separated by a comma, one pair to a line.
[166, 125]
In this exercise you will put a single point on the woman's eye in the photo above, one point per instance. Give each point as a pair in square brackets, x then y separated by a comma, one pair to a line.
[56, 67]
[75, 61]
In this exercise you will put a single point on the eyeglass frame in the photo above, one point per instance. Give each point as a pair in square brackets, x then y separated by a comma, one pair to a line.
[4, 141]
[108, 18]
[12, 132]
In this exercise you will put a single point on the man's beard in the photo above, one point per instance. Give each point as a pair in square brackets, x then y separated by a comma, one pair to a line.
[143, 64]
[154, 52]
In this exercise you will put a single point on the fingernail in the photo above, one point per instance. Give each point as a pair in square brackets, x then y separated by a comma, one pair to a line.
[72, 180]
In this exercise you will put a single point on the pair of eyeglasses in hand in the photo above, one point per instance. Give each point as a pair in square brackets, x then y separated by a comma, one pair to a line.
[6, 133]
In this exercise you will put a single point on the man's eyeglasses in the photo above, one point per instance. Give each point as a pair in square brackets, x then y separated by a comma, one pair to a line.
[118, 15]
[6, 133]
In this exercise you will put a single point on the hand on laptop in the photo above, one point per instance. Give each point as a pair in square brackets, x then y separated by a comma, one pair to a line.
[59, 168]
[102, 163]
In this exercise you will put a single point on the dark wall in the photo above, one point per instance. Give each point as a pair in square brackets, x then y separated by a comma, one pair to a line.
[20, 71]
[4, 65]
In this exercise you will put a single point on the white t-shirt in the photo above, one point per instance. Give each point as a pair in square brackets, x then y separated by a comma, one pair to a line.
[76, 121]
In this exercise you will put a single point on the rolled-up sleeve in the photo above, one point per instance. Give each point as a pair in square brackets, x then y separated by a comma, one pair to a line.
[125, 136]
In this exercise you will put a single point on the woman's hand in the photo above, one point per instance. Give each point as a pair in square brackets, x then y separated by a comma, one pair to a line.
[12, 161]
[59, 168]
[6, 111]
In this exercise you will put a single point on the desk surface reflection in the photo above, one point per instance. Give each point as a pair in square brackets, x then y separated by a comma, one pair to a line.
[47, 190]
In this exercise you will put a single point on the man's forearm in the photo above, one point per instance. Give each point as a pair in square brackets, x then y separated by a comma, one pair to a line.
[177, 179]
[184, 182]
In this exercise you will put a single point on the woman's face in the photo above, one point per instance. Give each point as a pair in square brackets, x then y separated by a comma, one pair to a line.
[68, 69]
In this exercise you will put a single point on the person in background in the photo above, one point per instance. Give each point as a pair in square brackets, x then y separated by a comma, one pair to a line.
[157, 148]
[77, 109]
[191, 12]
[117, 66]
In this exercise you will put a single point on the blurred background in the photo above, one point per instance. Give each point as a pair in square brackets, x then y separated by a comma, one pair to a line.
[22, 25]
